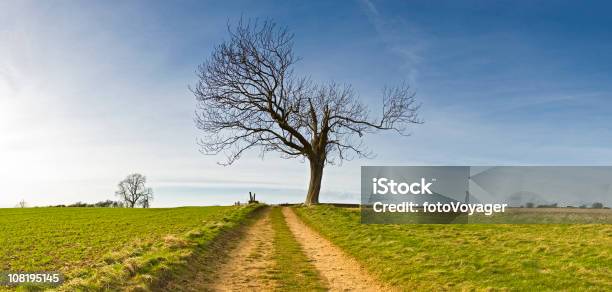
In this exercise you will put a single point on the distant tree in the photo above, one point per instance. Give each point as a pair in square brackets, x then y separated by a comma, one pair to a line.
[22, 204]
[102, 204]
[583, 206]
[78, 204]
[529, 205]
[105, 204]
[248, 97]
[133, 191]
[597, 205]
[547, 206]
[144, 202]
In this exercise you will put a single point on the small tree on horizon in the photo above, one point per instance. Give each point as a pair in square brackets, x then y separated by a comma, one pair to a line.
[144, 202]
[133, 191]
[22, 204]
[249, 97]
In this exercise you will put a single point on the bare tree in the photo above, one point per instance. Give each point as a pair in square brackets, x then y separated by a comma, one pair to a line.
[248, 96]
[22, 204]
[144, 202]
[132, 191]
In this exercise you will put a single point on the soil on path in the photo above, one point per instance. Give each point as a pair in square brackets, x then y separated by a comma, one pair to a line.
[247, 262]
[250, 263]
[341, 271]
[241, 260]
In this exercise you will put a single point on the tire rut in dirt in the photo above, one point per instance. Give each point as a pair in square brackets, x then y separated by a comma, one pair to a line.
[250, 262]
[341, 271]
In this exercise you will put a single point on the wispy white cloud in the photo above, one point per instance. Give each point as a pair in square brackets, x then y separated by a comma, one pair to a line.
[401, 38]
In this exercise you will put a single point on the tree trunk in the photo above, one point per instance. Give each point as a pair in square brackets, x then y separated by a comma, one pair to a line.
[316, 174]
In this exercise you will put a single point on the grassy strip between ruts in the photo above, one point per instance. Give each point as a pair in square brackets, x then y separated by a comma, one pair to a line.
[293, 271]
[473, 256]
[147, 264]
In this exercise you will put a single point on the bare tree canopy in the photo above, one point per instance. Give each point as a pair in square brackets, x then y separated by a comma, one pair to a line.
[248, 96]
[22, 204]
[132, 191]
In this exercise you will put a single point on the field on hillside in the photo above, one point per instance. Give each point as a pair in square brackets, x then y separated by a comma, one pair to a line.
[104, 245]
[473, 256]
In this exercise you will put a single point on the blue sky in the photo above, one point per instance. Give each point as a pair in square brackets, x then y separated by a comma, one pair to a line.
[90, 92]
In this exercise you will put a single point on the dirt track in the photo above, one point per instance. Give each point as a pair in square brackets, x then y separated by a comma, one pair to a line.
[342, 272]
[249, 264]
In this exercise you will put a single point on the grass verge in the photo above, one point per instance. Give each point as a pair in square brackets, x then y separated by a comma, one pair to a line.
[473, 256]
[148, 264]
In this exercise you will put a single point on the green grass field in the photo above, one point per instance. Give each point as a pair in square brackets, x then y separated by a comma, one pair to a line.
[118, 249]
[473, 256]
[101, 247]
